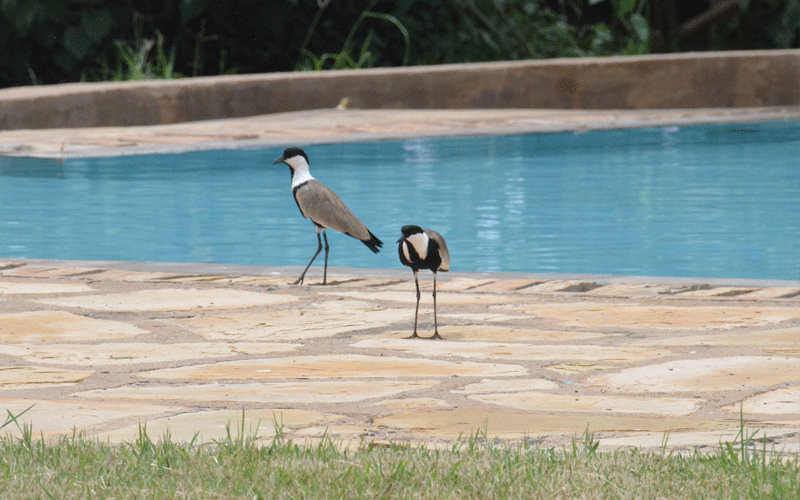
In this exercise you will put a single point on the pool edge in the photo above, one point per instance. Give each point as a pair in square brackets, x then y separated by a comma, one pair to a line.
[289, 272]
[331, 126]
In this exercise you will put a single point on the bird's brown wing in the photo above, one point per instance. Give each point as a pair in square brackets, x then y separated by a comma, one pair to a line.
[318, 203]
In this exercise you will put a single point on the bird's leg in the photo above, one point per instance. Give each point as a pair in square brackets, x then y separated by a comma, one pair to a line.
[416, 311]
[327, 247]
[319, 249]
[435, 320]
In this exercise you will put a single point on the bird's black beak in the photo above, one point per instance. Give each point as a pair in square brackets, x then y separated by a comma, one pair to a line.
[279, 160]
[401, 239]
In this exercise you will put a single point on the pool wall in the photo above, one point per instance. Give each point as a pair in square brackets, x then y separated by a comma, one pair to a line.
[739, 79]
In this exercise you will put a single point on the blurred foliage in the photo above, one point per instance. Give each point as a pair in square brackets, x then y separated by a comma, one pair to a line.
[52, 41]
[144, 58]
[486, 30]
[348, 58]
[762, 24]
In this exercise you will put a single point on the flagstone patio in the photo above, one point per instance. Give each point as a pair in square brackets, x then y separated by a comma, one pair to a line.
[102, 348]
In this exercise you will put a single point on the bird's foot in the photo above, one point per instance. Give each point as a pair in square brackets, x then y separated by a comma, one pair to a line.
[299, 281]
[435, 336]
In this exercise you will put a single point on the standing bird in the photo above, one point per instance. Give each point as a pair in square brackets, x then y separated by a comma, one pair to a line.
[423, 249]
[326, 210]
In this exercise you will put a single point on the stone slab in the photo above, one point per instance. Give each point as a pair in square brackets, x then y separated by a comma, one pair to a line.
[317, 320]
[782, 401]
[51, 418]
[559, 403]
[211, 426]
[450, 285]
[482, 317]
[28, 377]
[491, 386]
[514, 425]
[703, 375]
[765, 339]
[506, 285]
[719, 291]
[332, 366]
[171, 299]
[413, 403]
[302, 392]
[774, 293]
[689, 439]
[152, 277]
[61, 326]
[625, 289]
[513, 351]
[442, 298]
[478, 332]
[345, 436]
[125, 353]
[33, 271]
[552, 286]
[631, 316]
[258, 280]
[19, 288]
[576, 367]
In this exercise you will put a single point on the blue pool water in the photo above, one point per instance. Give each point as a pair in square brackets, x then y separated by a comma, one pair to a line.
[705, 201]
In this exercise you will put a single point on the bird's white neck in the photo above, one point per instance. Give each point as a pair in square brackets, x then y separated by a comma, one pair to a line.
[300, 177]
[300, 171]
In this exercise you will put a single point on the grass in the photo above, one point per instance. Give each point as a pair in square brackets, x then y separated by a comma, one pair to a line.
[348, 58]
[237, 467]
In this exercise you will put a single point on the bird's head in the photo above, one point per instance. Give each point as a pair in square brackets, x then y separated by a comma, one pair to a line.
[409, 231]
[293, 157]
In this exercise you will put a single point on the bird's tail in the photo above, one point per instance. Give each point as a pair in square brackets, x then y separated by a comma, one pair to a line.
[373, 243]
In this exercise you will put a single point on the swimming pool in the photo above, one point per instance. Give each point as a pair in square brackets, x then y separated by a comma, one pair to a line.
[706, 201]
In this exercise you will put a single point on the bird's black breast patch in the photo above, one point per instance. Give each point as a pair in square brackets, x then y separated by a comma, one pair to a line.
[414, 262]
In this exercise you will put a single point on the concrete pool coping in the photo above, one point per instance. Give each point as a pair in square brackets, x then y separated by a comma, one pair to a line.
[353, 125]
[288, 272]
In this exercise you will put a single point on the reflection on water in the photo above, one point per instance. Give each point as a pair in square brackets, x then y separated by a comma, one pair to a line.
[30, 167]
[692, 201]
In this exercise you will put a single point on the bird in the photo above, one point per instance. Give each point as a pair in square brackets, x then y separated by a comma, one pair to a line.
[423, 249]
[326, 210]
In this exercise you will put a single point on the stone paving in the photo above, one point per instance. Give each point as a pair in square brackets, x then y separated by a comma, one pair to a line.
[102, 348]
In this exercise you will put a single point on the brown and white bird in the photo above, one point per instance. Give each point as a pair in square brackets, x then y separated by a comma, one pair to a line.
[326, 210]
[423, 249]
